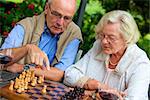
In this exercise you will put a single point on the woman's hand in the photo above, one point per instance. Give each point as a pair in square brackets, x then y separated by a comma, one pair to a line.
[91, 84]
[37, 56]
[120, 94]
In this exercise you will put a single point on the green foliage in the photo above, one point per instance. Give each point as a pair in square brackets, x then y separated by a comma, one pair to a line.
[144, 43]
[10, 13]
[95, 9]
[93, 12]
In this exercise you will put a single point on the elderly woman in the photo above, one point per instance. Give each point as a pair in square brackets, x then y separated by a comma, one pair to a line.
[114, 62]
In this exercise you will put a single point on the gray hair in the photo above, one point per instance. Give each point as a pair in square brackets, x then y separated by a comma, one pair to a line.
[128, 27]
[49, 1]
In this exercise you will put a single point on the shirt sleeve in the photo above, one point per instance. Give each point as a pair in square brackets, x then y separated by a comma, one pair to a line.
[69, 55]
[139, 81]
[15, 38]
[75, 75]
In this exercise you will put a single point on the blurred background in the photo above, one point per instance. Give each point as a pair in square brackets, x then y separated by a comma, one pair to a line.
[11, 11]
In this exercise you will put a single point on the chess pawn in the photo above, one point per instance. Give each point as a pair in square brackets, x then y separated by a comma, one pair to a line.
[20, 76]
[32, 84]
[26, 79]
[16, 83]
[23, 74]
[32, 75]
[27, 71]
[26, 86]
[19, 90]
[11, 87]
[44, 89]
[22, 88]
[34, 81]
[41, 79]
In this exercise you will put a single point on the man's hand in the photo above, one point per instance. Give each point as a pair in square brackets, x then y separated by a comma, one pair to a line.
[37, 56]
[15, 68]
[54, 74]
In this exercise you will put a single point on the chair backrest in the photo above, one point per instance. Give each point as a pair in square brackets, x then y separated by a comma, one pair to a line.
[1, 40]
[149, 92]
[78, 56]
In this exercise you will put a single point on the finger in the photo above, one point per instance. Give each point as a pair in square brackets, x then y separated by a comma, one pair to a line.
[122, 93]
[41, 61]
[32, 58]
[37, 57]
[43, 67]
[46, 61]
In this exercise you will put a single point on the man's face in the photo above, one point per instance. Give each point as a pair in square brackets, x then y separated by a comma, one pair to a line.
[58, 15]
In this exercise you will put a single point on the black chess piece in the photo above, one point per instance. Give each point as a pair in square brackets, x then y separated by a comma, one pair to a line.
[74, 94]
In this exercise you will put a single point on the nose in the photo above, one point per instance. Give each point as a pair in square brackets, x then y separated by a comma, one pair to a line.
[104, 40]
[60, 21]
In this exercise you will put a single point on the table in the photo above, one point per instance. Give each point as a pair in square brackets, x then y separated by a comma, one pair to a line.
[54, 91]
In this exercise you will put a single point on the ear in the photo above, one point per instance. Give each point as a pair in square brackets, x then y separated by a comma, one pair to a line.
[46, 8]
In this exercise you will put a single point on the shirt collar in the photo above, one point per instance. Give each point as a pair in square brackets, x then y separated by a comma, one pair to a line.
[123, 64]
[47, 31]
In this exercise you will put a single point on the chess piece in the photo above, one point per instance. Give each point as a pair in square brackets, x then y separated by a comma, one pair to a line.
[19, 90]
[41, 79]
[16, 83]
[11, 87]
[23, 74]
[32, 75]
[44, 89]
[34, 81]
[26, 86]
[20, 76]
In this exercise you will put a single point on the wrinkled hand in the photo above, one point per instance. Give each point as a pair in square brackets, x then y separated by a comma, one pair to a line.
[37, 56]
[120, 94]
[15, 68]
[91, 84]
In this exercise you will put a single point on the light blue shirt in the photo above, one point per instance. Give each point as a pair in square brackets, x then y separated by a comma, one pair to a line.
[48, 44]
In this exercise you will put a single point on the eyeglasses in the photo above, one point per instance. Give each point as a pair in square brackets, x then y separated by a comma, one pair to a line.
[57, 15]
[109, 38]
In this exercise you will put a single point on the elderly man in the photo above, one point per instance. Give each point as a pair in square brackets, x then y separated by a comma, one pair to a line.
[54, 37]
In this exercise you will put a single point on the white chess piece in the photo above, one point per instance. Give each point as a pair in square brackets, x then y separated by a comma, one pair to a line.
[44, 89]
[11, 87]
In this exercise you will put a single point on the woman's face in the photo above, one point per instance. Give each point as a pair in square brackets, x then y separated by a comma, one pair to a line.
[111, 39]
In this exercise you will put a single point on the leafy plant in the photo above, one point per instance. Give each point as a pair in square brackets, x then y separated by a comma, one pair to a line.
[11, 13]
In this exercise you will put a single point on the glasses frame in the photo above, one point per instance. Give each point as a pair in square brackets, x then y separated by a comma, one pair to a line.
[110, 38]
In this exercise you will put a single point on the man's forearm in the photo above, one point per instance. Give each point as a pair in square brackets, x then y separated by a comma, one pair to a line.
[19, 53]
[53, 74]
[15, 68]
[16, 53]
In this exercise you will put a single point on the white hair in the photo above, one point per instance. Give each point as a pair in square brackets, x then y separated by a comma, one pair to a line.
[49, 1]
[128, 27]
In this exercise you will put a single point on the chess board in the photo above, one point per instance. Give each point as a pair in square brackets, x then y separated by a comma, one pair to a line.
[55, 91]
